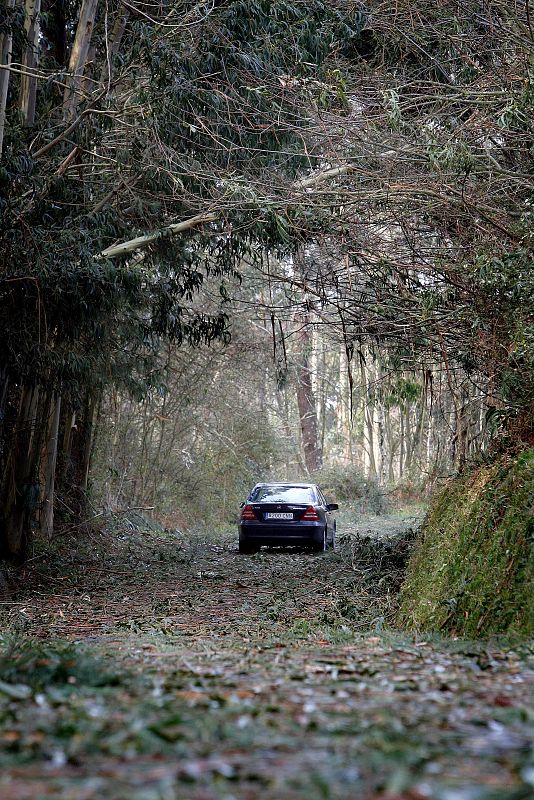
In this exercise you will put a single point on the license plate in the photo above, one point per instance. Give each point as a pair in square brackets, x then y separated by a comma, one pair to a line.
[271, 515]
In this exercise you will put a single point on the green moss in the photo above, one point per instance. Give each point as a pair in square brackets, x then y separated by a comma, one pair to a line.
[472, 572]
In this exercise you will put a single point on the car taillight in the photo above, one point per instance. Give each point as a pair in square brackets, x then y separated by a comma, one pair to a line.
[248, 513]
[311, 514]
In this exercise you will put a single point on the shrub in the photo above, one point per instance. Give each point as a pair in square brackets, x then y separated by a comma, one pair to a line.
[346, 484]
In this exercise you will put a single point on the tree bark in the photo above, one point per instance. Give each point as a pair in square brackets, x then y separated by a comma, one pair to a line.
[401, 442]
[47, 510]
[55, 29]
[6, 44]
[78, 56]
[30, 60]
[313, 456]
[115, 38]
[67, 425]
[85, 438]
[461, 430]
[4, 390]
[418, 434]
[382, 449]
[368, 420]
[390, 445]
[408, 436]
[142, 241]
[20, 481]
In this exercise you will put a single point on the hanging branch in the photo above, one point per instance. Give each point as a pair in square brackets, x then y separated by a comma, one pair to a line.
[143, 241]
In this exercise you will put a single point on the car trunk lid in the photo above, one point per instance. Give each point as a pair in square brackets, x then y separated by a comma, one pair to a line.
[279, 512]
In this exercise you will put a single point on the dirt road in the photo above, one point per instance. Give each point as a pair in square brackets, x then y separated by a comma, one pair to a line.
[161, 668]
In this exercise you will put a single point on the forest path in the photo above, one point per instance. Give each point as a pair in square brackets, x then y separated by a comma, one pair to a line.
[163, 668]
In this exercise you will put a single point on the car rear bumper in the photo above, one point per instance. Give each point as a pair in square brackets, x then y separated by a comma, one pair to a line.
[272, 534]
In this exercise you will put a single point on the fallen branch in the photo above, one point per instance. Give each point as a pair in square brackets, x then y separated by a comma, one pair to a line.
[143, 241]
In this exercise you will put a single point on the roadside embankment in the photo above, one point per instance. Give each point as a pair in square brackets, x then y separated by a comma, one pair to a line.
[472, 571]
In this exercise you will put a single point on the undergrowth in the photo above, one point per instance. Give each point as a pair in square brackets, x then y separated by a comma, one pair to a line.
[36, 665]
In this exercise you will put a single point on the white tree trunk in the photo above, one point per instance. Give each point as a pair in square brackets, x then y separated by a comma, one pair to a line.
[30, 60]
[78, 55]
[6, 44]
[142, 241]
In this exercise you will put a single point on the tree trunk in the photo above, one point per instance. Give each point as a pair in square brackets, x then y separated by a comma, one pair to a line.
[306, 399]
[30, 60]
[4, 390]
[75, 469]
[47, 511]
[78, 56]
[368, 420]
[68, 426]
[20, 482]
[6, 44]
[93, 407]
[418, 434]
[401, 441]
[408, 437]
[382, 452]
[55, 29]
[461, 430]
[391, 445]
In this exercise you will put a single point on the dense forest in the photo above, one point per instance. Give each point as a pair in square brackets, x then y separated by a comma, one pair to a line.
[227, 246]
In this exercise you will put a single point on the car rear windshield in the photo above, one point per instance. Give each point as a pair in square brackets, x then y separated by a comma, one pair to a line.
[283, 494]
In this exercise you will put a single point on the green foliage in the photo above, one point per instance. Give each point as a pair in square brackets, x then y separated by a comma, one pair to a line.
[505, 305]
[391, 102]
[489, 332]
[472, 572]
[346, 484]
[225, 469]
[69, 319]
[516, 115]
[247, 47]
[402, 392]
[116, 317]
[453, 156]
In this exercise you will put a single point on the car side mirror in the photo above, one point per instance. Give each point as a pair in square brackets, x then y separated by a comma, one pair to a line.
[332, 507]
[241, 505]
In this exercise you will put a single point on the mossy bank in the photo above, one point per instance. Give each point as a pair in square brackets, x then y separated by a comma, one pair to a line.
[472, 572]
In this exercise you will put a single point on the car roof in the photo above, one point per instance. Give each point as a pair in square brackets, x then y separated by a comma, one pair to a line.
[296, 484]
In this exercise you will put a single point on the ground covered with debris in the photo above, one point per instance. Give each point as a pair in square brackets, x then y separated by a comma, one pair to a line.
[155, 666]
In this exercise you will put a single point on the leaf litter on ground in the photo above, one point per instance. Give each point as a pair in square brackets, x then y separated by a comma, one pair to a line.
[168, 666]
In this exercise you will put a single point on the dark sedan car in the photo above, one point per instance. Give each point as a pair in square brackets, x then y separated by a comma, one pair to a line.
[286, 514]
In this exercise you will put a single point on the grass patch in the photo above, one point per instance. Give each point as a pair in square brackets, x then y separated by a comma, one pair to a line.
[472, 572]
